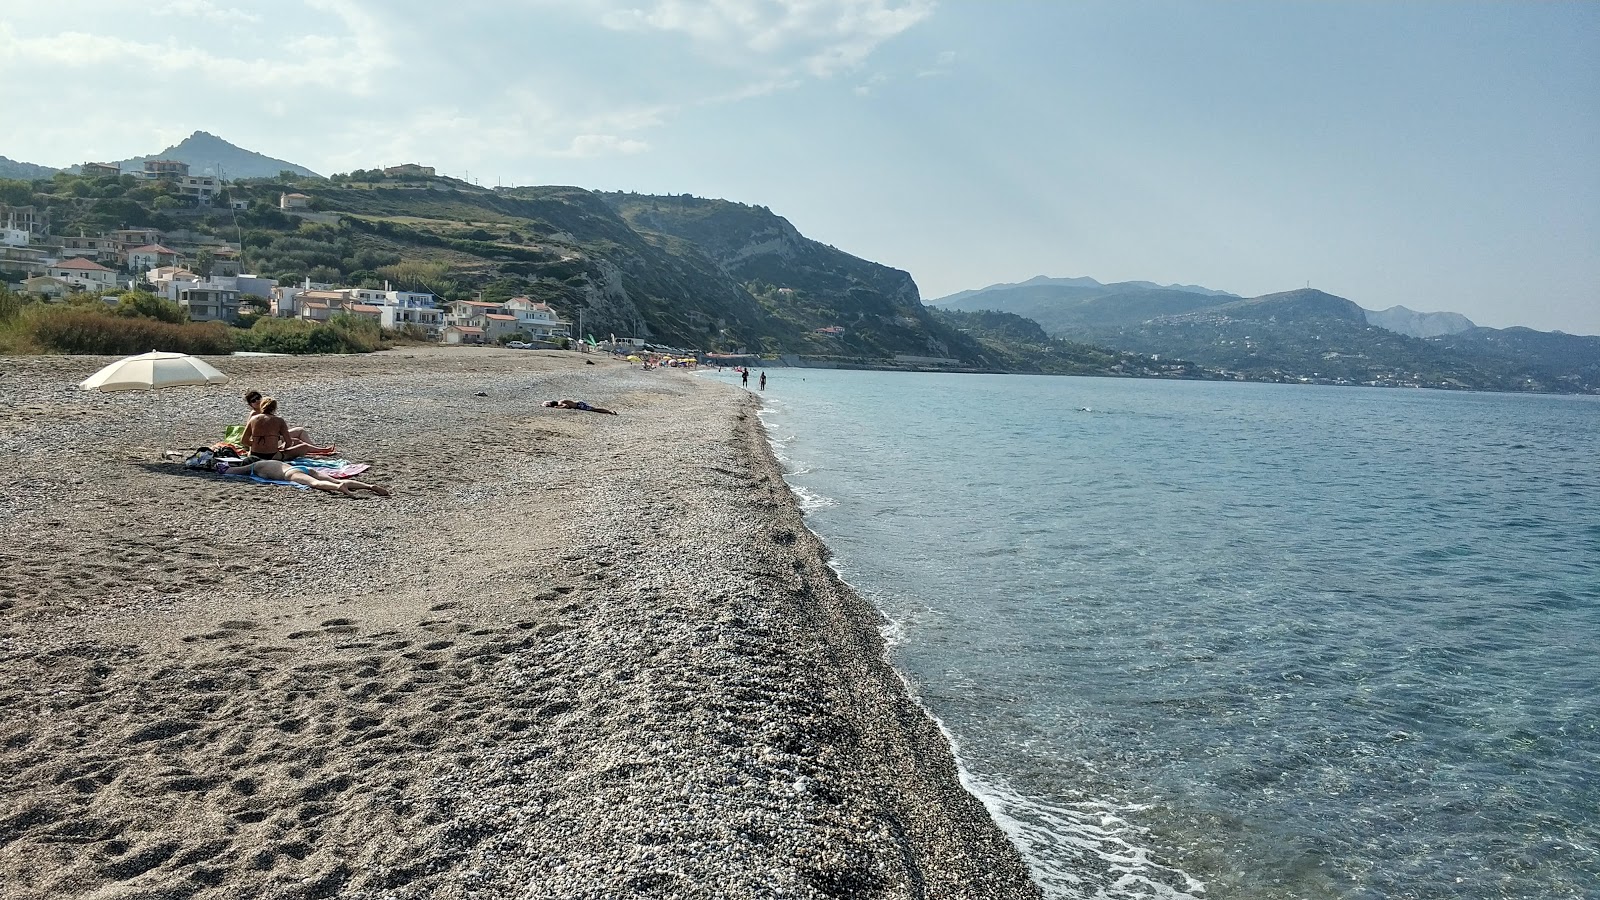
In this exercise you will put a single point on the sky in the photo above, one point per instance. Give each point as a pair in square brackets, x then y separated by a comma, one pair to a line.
[1444, 156]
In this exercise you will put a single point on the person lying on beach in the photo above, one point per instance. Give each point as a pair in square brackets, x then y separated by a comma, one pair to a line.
[297, 433]
[266, 435]
[579, 404]
[272, 470]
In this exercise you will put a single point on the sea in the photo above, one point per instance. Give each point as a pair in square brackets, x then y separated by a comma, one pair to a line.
[1225, 640]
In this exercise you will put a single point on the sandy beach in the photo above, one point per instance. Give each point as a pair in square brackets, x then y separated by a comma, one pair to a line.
[574, 656]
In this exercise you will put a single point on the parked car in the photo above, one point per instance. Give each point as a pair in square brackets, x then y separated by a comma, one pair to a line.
[519, 345]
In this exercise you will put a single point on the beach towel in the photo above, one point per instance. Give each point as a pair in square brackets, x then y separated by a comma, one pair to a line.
[330, 467]
[233, 434]
[260, 480]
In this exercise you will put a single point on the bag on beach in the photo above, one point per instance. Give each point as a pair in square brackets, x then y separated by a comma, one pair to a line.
[203, 458]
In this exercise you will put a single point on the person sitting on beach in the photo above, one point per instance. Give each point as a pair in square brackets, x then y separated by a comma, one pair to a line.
[579, 404]
[297, 433]
[266, 435]
[273, 470]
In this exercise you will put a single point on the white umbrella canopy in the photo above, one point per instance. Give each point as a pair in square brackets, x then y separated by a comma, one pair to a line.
[153, 370]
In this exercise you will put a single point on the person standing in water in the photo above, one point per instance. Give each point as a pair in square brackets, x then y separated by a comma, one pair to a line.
[763, 381]
[744, 377]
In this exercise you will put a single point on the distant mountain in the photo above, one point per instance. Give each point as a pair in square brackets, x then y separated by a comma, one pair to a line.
[208, 154]
[10, 168]
[1041, 287]
[1301, 335]
[1572, 361]
[1419, 324]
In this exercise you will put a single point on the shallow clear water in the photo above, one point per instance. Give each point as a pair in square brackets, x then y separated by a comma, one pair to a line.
[1235, 640]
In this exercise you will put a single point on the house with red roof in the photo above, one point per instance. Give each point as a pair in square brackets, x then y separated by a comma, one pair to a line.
[462, 334]
[499, 325]
[538, 319]
[83, 273]
[152, 256]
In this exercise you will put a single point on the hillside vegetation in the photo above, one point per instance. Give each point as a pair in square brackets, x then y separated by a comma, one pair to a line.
[696, 274]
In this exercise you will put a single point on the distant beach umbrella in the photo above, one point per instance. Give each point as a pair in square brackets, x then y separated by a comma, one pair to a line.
[151, 371]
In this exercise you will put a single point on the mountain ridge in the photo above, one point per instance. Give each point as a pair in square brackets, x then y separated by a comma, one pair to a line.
[1303, 334]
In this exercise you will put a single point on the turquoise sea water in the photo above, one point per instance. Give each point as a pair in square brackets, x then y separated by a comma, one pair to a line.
[1235, 640]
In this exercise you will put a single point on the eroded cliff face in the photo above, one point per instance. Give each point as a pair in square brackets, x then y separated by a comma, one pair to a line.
[607, 307]
[834, 303]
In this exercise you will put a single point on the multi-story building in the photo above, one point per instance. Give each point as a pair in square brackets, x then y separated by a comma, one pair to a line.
[537, 319]
[100, 170]
[165, 168]
[25, 218]
[129, 238]
[207, 301]
[97, 247]
[198, 187]
[409, 169]
[152, 256]
[83, 273]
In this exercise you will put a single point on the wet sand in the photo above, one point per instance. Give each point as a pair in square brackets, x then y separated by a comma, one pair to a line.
[575, 656]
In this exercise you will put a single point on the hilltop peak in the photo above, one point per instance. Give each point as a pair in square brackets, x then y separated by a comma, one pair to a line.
[206, 152]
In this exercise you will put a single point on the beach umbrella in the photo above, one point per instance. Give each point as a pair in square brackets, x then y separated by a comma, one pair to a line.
[151, 371]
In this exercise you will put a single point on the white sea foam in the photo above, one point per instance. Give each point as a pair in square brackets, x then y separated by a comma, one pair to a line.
[1085, 849]
[810, 500]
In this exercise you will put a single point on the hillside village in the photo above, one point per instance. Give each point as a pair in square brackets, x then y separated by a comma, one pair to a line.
[203, 274]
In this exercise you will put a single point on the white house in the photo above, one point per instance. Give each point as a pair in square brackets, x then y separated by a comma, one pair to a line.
[470, 312]
[294, 201]
[14, 237]
[286, 298]
[537, 319]
[151, 256]
[84, 273]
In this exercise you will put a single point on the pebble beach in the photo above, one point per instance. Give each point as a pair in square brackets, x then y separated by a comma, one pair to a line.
[574, 655]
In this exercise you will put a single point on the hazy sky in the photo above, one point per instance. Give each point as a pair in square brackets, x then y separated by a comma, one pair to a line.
[1439, 155]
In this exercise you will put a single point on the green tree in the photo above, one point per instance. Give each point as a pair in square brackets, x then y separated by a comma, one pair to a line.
[146, 305]
[15, 193]
[204, 262]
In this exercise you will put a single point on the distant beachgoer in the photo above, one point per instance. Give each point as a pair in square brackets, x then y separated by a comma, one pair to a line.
[744, 377]
[274, 470]
[763, 381]
[266, 435]
[579, 405]
[297, 433]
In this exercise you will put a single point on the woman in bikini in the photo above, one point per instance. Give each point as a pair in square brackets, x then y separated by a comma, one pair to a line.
[273, 470]
[297, 433]
[267, 435]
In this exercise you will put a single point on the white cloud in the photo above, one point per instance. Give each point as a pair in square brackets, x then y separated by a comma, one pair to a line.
[207, 10]
[942, 64]
[586, 146]
[820, 37]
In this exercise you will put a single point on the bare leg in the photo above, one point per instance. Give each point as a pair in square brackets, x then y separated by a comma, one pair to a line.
[351, 485]
[299, 435]
[312, 481]
[332, 486]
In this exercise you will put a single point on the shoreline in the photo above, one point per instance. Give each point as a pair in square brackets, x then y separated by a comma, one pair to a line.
[575, 656]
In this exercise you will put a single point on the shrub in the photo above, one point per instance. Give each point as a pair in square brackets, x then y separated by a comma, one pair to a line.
[89, 331]
[342, 334]
[148, 305]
